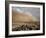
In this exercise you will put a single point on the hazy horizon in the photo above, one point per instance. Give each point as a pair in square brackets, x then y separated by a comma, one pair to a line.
[35, 12]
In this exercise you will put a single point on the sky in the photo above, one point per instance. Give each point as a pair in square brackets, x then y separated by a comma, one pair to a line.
[29, 10]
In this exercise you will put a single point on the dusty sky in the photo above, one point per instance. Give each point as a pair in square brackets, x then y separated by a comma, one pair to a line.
[29, 10]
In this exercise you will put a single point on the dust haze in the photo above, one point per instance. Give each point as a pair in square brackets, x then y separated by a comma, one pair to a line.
[25, 18]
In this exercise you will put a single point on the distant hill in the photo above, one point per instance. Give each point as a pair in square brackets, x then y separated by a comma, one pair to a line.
[21, 17]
